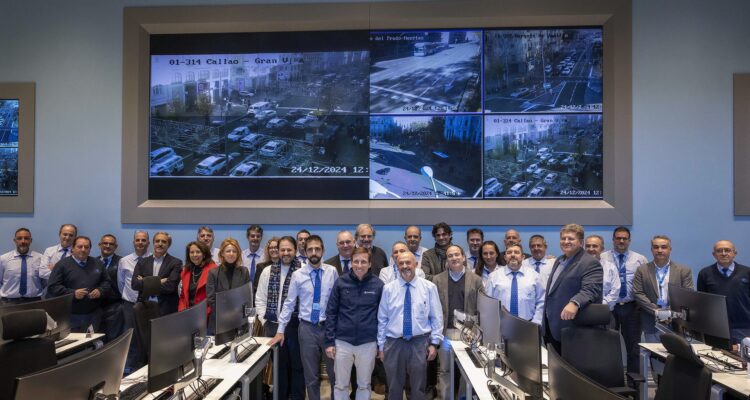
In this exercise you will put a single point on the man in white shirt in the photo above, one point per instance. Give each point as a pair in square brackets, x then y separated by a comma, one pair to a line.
[302, 237]
[125, 270]
[311, 285]
[390, 273]
[206, 235]
[594, 245]
[252, 256]
[53, 254]
[413, 238]
[540, 261]
[22, 272]
[520, 289]
[410, 329]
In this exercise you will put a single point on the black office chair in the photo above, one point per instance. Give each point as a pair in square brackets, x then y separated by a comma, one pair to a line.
[24, 355]
[685, 376]
[145, 310]
[594, 349]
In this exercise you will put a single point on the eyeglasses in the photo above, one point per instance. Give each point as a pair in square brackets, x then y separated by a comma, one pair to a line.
[724, 251]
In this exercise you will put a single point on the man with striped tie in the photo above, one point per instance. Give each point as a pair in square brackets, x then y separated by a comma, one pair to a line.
[410, 329]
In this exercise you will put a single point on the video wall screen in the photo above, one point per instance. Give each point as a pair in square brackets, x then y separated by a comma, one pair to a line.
[9, 147]
[357, 115]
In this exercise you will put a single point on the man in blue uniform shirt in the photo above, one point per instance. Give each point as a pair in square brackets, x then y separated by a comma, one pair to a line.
[21, 271]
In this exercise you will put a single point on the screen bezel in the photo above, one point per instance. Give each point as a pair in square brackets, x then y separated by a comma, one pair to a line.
[614, 18]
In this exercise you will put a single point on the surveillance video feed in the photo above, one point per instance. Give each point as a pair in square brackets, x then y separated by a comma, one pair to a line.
[550, 156]
[8, 147]
[260, 115]
[425, 157]
[418, 72]
[547, 70]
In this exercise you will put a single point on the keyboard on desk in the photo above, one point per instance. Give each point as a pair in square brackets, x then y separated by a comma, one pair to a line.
[718, 361]
[135, 392]
[64, 342]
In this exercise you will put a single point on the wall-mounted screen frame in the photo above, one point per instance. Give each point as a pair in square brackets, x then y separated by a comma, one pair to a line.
[615, 19]
[17, 108]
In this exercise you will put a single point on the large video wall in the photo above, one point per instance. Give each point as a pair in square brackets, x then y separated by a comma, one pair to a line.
[358, 115]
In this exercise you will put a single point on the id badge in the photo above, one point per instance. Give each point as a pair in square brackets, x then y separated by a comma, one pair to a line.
[661, 303]
[316, 306]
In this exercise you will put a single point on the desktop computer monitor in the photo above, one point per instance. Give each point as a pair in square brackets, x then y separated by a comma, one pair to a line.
[172, 347]
[231, 313]
[99, 372]
[488, 309]
[522, 352]
[704, 313]
[58, 308]
[565, 382]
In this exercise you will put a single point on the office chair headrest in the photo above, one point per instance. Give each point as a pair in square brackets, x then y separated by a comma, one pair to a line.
[151, 286]
[23, 324]
[592, 315]
[680, 347]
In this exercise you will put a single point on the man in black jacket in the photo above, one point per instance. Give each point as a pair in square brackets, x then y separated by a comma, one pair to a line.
[365, 235]
[352, 325]
[85, 277]
[433, 260]
[113, 321]
[166, 267]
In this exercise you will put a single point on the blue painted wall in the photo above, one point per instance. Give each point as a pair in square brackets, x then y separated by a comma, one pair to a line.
[684, 55]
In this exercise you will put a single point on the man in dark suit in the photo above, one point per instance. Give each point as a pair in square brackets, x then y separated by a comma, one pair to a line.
[83, 276]
[166, 267]
[575, 282]
[113, 322]
[457, 290]
[345, 246]
[365, 234]
[651, 284]
[728, 278]
[433, 260]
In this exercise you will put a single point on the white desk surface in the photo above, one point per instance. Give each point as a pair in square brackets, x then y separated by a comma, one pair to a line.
[80, 340]
[739, 381]
[219, 368]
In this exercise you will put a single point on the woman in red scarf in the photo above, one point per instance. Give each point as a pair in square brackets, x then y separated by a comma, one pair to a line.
[195, 275]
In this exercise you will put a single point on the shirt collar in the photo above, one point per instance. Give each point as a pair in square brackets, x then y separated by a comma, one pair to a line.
[413, 281]
[17, 254]
[456, 276]
[661, 267]
[509, 271]
[719, 267]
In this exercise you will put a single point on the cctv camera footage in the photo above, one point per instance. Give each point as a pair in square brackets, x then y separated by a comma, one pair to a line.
[8, 147]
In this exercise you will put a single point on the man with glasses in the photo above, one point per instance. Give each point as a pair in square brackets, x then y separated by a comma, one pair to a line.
[625, 312]
[345, 246]
[728, 278]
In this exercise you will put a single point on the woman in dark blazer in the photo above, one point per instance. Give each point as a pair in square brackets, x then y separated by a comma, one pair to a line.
[228, 275]
[194, 275]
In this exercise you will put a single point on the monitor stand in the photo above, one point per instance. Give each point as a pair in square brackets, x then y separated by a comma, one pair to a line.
[233, 353]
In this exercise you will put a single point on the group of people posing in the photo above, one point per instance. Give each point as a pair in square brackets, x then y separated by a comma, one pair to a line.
[371, 317]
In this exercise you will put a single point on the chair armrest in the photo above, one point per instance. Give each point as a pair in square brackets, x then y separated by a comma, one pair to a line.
[636, 377]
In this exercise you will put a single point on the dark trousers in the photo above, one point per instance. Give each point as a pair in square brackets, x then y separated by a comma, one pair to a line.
[402, 358]
[312, 350]
[136, 353]
[79, 323]
[628, 322]
[113, 323]
[291, 379]
[549, 340]
[19, 300]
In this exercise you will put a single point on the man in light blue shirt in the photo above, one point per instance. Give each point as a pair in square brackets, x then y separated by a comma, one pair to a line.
[390, 273]
[519, 289]
[311, 285]
[410, 329]
[22, 271]
[594, 245]
[413, 238]
[125, 268]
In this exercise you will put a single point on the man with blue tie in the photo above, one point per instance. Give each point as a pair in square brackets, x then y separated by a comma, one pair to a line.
[311, 285]
[55, 253]
[519, 288]
[22, 271]
[540, 261]
[390, 273]
[84, 276]
[252, 256]
[112, 320]
[302, 237]
[413, 238]
[474, 238]
[410, 329]
[125, 268]
[626, 315]
[345, 246]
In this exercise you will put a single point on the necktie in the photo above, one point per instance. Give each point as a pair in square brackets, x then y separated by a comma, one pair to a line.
[536, 268]
[407, 313]
[623, 274]
[315, 315]
[105, 261]
[514, 294]
[346, 266]
[725, 271]
[303, 258]
[65, 253]
[252, 266]
[473, 261]
[23, 284]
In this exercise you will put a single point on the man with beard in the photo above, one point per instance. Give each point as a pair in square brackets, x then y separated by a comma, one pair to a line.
[413, 238]
[433, 260]
[520, 289]
[273, 290]
[365, 235]
[311, 285]
[22, 271]
[390, 273]
[410, 329]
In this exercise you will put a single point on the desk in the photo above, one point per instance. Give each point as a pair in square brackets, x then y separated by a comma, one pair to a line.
[738, 384]
[69, 352]
[230, 373]
[475, 378]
